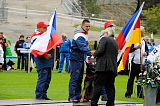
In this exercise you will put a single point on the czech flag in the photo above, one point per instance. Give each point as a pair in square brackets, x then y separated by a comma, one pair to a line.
[129, 35]
[42, 43]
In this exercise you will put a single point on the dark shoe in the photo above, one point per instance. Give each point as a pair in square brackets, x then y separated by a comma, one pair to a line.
[110, 103]
[43, 98]
[94, 104]
[128, 96]
[59, 71]
[47, 98]
[104, 98]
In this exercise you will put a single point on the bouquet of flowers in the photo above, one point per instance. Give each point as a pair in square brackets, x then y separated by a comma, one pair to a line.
[151, 74]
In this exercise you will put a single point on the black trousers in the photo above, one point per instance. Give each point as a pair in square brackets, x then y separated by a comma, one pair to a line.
[20, 61]
[104, 79]
[26, 62]
[135, 70]
[158, 96]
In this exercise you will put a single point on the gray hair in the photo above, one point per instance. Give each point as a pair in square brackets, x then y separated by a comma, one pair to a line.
[109, 30]
[142, 28]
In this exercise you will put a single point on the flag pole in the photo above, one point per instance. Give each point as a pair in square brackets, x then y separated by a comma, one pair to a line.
[55, 50]
[141, 44]
[140, 53]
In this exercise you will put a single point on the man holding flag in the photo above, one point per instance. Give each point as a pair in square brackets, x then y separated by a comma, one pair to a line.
[43, 65]
[128, 40]
[139, 51]
[43, 41]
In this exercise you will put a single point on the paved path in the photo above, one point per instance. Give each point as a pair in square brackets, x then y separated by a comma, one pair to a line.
[34, 102]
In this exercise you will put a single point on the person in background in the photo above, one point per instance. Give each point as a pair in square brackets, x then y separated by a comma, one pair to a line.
[57, 57]
[79, 52]
[4, 45]
[151, 45]
[1, 55]
[146, 39]
[27, 45]
[19, 44]
[106, 68]
[64, 51]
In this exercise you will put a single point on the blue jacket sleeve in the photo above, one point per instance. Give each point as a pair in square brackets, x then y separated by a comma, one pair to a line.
[83, 46]
[25, 45]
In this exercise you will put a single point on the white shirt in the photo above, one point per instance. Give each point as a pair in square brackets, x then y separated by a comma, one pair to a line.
[1, 54]
[136, 53]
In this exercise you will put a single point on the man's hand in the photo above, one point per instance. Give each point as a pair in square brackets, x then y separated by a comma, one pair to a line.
[47, 56]
[57, 59]
[92, 52]
[139, 46]
[144, 54]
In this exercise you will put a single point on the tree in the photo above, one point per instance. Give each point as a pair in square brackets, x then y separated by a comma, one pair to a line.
[148, 3]
[89, 7]
[152, 19]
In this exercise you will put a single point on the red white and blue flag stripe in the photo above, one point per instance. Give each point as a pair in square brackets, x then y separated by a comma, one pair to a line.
[44, 42]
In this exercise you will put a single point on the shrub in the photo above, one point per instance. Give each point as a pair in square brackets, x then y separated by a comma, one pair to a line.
[152, 19]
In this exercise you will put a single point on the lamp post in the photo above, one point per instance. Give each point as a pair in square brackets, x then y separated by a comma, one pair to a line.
[26, 10]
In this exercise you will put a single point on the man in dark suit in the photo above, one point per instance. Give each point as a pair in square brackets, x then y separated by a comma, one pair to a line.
[106, 68]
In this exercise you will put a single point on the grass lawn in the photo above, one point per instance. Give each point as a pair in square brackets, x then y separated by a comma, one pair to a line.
[21, 85]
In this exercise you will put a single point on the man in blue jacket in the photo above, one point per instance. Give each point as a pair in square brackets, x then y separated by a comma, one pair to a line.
[79, 51]
[64, 51]
[151, 45]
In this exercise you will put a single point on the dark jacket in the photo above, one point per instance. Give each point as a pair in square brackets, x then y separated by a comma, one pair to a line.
[19, 44]
[106, 55]
[42, 62]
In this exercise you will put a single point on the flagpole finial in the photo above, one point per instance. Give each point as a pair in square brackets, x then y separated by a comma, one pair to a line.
[142, 4]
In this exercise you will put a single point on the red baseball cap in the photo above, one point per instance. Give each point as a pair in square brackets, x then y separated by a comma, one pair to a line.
[107, 24]
[41, 24]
